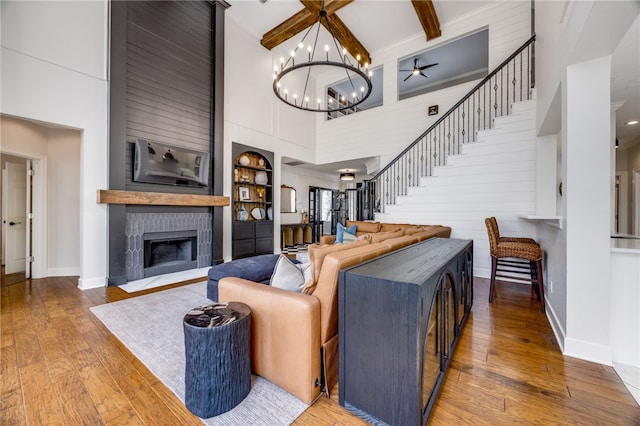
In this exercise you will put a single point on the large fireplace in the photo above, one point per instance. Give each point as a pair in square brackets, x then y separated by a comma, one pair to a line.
[160, 243]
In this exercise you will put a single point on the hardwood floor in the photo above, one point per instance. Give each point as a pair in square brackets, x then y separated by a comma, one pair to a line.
[60, 365]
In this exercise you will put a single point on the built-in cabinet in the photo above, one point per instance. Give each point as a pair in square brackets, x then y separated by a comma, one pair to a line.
[400, 318]
[252, 232]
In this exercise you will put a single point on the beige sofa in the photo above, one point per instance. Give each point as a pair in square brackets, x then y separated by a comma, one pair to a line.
[379, 231]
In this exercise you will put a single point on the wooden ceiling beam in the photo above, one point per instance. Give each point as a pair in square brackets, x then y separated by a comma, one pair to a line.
[428, 18]
[346, 38]
[287, 29]
[330, 6]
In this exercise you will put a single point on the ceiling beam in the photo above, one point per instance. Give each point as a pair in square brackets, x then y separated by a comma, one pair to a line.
[346, 38]
[287, 29]
[428, 18]
[330, 6]
[307, 17]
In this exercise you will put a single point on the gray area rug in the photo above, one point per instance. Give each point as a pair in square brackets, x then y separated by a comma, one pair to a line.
[150, 326]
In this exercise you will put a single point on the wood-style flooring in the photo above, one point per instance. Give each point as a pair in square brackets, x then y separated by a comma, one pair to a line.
[60, 365]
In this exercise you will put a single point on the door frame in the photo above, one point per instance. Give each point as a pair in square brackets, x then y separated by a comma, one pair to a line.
[636, 202]
[623, 204]
[39, 222]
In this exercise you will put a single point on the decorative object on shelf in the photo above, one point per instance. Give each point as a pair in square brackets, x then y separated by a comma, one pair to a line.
[305, 217]
[335, 57]
[270, 213]
[235, 175]
[244, 179]
[243, 214]
[257, 213]
[261, 178]
[243, 193]
[260, 192]
[261, 162]
[347, 175]
[244, 160]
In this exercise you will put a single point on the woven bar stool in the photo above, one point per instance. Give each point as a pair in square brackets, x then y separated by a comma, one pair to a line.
[494, 223]
[511, 257]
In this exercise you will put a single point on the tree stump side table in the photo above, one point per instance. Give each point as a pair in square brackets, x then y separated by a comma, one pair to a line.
[218, 357]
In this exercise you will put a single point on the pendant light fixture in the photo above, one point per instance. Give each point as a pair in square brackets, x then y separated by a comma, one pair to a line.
[291, 79]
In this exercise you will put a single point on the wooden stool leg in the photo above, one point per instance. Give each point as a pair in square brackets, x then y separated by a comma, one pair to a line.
[534, 279]
[540, 283]
[492, 286]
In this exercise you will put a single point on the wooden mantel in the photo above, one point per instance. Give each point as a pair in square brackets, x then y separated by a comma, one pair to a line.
[107, 196]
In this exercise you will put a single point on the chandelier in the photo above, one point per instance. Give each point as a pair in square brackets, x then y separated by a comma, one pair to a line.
[291, 77]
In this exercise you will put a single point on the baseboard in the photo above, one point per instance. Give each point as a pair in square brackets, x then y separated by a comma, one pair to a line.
[63, 272]
[86, 284]
[602, 354]
[558, 331]
[630, 376]
[482, 272]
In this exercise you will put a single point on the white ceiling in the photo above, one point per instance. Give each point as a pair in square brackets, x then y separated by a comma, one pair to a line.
[383, 23]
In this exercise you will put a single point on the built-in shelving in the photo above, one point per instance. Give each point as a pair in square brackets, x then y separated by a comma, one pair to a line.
[252, 202]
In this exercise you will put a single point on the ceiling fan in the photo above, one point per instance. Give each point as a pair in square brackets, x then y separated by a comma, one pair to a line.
[418, 70]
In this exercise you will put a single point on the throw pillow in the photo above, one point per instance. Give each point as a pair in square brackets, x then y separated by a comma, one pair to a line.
[289, 276]
[340, 230]
[348, 238]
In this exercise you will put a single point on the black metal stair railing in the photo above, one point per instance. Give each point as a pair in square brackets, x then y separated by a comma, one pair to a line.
[492, 97]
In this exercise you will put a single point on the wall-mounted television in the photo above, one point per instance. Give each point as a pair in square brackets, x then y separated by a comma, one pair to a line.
[157, 162]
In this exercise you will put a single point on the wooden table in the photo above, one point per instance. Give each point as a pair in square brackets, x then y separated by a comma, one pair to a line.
[400, 317]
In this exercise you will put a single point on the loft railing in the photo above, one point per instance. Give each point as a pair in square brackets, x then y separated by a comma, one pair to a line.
[492, 97]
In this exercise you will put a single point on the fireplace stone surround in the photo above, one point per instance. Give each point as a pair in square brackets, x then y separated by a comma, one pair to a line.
[139, 224]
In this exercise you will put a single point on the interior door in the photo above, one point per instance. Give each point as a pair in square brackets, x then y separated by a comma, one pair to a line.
[16, 218]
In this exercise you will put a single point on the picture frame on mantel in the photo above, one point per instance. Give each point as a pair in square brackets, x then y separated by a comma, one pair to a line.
[243, 193]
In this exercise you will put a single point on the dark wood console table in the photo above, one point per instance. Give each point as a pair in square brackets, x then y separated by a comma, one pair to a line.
[400, 318]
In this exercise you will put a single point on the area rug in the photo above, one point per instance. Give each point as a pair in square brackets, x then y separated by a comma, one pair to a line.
[151, 328]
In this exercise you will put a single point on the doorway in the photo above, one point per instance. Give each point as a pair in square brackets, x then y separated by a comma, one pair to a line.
[16, 219]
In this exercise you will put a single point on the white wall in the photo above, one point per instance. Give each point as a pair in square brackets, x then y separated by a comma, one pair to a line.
[253, 116]
[573, 82]
[63, 186]
[54, 69]
[387, 130]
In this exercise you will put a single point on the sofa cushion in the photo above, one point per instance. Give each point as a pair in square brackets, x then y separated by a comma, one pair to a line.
[433, 231]
[381, 236]
[317, 254]
[363, 227]
[390, 227]
[341, 230]
[290, 276]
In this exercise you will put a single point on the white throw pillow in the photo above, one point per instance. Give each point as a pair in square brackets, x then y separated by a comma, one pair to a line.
[288, 275]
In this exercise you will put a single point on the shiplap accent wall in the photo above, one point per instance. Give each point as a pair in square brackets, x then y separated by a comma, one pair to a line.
[495, 176]
[168, 78]
[385, 131]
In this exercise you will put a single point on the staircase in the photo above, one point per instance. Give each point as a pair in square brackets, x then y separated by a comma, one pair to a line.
[494, 176]
[477, 160]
